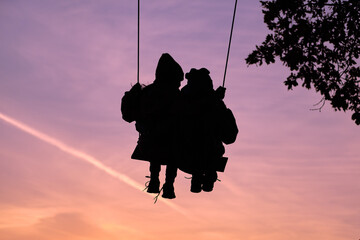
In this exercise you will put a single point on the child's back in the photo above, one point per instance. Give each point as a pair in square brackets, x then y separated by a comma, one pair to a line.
[202, 116]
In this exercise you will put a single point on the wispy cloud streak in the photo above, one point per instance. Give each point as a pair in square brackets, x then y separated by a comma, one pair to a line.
[84, 157]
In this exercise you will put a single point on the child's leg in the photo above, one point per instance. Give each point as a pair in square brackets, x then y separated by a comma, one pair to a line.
[154, 183]
[210, 178]
[171, 173]
[154, 170]
[168, 187]
[196, 182]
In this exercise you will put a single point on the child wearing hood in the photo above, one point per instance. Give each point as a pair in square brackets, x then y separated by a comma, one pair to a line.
[152, 107]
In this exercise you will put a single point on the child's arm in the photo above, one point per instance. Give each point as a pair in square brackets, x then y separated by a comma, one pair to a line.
[220, 92]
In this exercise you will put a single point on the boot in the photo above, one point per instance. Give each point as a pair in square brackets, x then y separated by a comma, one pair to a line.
[154, 185]
[196, 182]
[168, 187]
[209, 180]
[168, 191]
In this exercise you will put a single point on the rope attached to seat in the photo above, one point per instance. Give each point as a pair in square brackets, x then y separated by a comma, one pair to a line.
[138, 42]
[228, 52]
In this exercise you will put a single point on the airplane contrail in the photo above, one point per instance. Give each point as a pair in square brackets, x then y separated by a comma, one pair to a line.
[84, 157]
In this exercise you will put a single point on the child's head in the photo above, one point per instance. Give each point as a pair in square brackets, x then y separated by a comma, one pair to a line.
[168, 70]
[199, 79]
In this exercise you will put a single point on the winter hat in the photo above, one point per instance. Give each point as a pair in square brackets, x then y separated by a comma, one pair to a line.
[199, 79]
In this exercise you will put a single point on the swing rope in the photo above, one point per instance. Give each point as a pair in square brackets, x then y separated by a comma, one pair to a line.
[228, 52]
[138, 42]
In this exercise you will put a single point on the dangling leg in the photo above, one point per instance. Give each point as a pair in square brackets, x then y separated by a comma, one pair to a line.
[210, 178]
[168, 187]
[196, 182]
[154, 183]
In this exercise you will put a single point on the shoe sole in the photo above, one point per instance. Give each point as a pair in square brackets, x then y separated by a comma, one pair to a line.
[169, 197]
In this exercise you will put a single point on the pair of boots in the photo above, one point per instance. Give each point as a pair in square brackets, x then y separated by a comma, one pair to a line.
[168, 187]
[205, 182]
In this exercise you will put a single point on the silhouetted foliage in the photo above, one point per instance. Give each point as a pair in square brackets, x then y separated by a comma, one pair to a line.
[319, 40]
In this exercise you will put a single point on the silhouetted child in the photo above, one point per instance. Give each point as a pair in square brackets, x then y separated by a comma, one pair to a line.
[152, 107]
[205, 124]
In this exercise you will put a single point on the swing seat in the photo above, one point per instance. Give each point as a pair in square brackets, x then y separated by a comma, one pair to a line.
[220, 164]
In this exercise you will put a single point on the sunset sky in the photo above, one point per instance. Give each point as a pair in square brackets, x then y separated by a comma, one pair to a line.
[65, 167]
